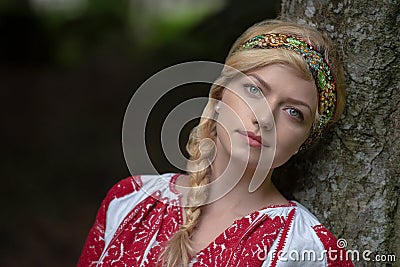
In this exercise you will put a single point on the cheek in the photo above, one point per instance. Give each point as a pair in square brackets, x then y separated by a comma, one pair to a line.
[223, 136]
[234, 112]
[288, 142]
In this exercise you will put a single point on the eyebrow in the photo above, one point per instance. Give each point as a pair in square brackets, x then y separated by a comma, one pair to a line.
[261, 81]
[268, 88]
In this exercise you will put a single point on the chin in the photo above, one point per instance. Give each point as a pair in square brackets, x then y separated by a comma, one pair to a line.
[279, 162]
[252, 162]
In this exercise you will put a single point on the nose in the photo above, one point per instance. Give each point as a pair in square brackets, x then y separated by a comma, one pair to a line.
[266, 122]
[264, 118]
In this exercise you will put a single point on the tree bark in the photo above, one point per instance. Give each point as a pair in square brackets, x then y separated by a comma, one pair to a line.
[350, 181]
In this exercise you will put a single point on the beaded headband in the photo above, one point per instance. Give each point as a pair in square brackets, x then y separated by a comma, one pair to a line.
[319, 67]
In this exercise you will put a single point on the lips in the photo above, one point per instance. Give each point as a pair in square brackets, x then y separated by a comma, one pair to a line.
[253, 139]
[253, 136]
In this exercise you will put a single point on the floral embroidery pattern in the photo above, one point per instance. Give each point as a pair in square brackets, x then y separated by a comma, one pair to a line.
[132, 227]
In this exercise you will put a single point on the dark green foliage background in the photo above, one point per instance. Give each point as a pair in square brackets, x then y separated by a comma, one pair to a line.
[65, 82]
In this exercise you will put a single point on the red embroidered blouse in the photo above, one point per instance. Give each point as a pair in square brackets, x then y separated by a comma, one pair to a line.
[140, 213]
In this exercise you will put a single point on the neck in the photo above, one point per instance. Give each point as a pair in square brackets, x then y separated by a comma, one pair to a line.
[230, 179]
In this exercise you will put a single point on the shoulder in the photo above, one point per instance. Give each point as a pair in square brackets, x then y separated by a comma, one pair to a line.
[136, 195]
[123, 187]
[305, 221]
[138, 186]
[307, 237]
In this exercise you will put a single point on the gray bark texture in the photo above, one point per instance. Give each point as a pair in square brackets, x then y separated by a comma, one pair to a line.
[351, 180]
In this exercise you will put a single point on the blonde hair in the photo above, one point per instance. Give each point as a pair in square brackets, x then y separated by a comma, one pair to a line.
[179, 250]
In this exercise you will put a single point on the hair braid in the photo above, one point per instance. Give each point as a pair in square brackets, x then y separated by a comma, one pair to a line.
[179, 249]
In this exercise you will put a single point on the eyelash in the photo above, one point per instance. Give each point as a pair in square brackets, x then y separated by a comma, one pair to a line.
[249, 86]
[300, 115]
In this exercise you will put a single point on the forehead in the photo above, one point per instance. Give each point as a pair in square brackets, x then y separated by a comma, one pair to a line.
[285, 80]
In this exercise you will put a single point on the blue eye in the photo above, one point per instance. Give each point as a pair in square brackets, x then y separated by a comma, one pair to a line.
[295, 113]
[252, 89]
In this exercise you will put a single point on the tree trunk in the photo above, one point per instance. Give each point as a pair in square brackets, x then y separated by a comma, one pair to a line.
[351, 180]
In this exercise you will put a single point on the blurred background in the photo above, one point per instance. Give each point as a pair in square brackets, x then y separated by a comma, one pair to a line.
[68, 69]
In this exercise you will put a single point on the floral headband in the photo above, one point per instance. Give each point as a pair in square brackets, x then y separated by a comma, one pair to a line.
[319, 67]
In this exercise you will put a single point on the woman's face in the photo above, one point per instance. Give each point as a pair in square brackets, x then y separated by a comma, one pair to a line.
[270, 109]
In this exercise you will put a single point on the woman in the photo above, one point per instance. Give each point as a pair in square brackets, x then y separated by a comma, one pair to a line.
[291, 91]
